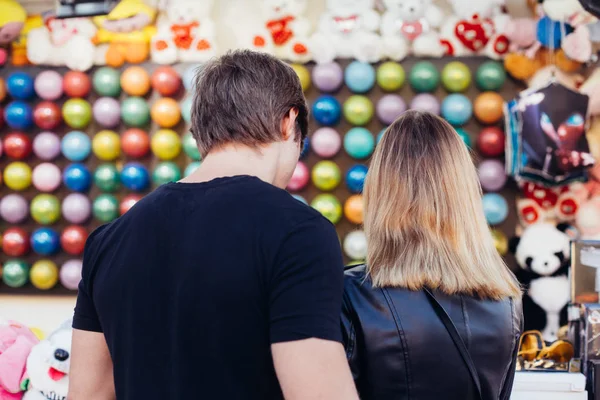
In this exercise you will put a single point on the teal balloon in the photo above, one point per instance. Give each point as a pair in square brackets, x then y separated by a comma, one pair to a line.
[190, 147]
[165, 172]
[135, 112]
[186, 109]
[359, 143]
[106, 178]
[464, 136]
[107, 82]
[191, 168]
[300, 198]
[105, 208]
[424, 77]
[490, 76]
[15, 273]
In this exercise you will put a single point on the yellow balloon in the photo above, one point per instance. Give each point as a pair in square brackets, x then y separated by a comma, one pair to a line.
[166, 144]
[303, 74]
[17, 175]
[106, 145]
[44, 274]
[500, 241]
[38, 333]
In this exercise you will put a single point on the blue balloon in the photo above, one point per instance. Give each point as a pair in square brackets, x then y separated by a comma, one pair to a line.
[457, 109]
[18, 115]
[550, 33]
[134, 176]
[495, 208]
[305, 148]
[20, 86]
[360, 77]
[359, 143]
[380, 135]
[191, 168]
[300, 198]
[189, 76]
[45, 241]
[327, 110]
[186, 109]
[77, 177]
[355, 178]
[76, 146]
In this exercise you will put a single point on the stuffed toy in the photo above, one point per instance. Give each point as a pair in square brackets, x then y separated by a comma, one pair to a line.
[521, 33]
[410, 27]
[186, 35]
[477, 27]
[347, 29]
[282, 30]
[12, 21]
[543, 255]
[127, 31]
[48, 366]
[541, 204]
[16, 342]
[19, 45]
[59, 42]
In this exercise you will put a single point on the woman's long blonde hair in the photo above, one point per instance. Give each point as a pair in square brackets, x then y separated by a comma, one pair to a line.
[424, 217]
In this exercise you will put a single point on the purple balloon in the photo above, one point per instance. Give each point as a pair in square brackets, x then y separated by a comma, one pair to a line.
[107, 112]
[49, 85]
[46, 177]
[328, 77]
[76, 208]
[426, 102]
[70, 274]
[14, 208]
[46, 146]
[389, 108]
[326, 142]
[492, 175]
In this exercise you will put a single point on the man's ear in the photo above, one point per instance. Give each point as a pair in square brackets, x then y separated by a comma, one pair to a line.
[289, 124]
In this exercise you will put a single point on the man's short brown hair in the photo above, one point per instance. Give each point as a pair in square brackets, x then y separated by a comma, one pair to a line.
[242, 97]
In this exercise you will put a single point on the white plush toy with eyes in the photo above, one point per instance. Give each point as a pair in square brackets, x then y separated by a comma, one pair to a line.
[410, 27]
[347, 29]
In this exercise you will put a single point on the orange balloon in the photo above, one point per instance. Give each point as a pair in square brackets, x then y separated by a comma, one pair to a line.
[2, 89]
[135, 81]
[165, 112]
[488, 107]
[353, 209]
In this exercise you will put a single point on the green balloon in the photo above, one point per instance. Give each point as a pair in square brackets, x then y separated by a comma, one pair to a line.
[105, 208]
[77, 113]
[359, 143]
[390, 76]
[165, 172]
[424, 77]
[191, 147]
[490, 76]
[358, 110]
[45, 209]
[329, 206]
[107, 178]
[456, 77]
[191, 168]
[135, 112]
[107, 82]
[464, 136]
[15, 273]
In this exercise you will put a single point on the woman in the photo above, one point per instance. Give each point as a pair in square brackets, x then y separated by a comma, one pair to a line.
[435, 313]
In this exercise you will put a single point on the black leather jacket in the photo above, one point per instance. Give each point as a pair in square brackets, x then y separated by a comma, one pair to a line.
[398, 348]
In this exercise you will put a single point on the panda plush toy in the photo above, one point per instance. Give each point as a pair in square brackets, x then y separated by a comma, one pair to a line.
[543, 253]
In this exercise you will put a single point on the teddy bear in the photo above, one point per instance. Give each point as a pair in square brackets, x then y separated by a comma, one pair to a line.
[410, 27]
[187, 34]
[12, 21]
[126, 32]
[48, 366]
[16, 343]
[477, 27]
[66, 42]
[347, 29]
[542, 204]
[543, 255]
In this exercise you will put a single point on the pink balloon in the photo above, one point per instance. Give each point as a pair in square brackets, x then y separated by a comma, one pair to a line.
[300, 177]
[389, 108]
[70, 274]
[492, 175]
[46, 177]
[46, 146]
[326, 142]
[107, 112]
[0, 149]
[426, 102]
[328, 77]
[14, 208]
[48, 85]
[76, 208]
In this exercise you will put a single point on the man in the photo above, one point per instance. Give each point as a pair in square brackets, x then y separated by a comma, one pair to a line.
[221, 286]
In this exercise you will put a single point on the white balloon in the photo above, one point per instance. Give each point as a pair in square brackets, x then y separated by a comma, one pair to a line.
[355, 245]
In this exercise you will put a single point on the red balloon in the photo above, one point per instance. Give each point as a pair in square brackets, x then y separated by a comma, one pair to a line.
[76, 84]
[128, 202]
[166, 81]
[15, 242]
[17, 145]
[72, 239]
[1, 117]
[135, 143]
[491, 141]
[47, 115]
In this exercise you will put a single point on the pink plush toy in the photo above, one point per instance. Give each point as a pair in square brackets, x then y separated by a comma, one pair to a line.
[16, 342]
[521, 32]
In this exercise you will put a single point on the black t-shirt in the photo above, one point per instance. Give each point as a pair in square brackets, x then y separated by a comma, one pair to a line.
[196, 281]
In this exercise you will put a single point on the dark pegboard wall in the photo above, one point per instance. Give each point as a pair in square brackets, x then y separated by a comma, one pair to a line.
[342, 159]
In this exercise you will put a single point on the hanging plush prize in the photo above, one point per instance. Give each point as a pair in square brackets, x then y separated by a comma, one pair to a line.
[542, 204]
[12, 20]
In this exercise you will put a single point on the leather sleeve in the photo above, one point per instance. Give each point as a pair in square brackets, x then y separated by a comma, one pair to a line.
[349, 333]
[517, 317]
